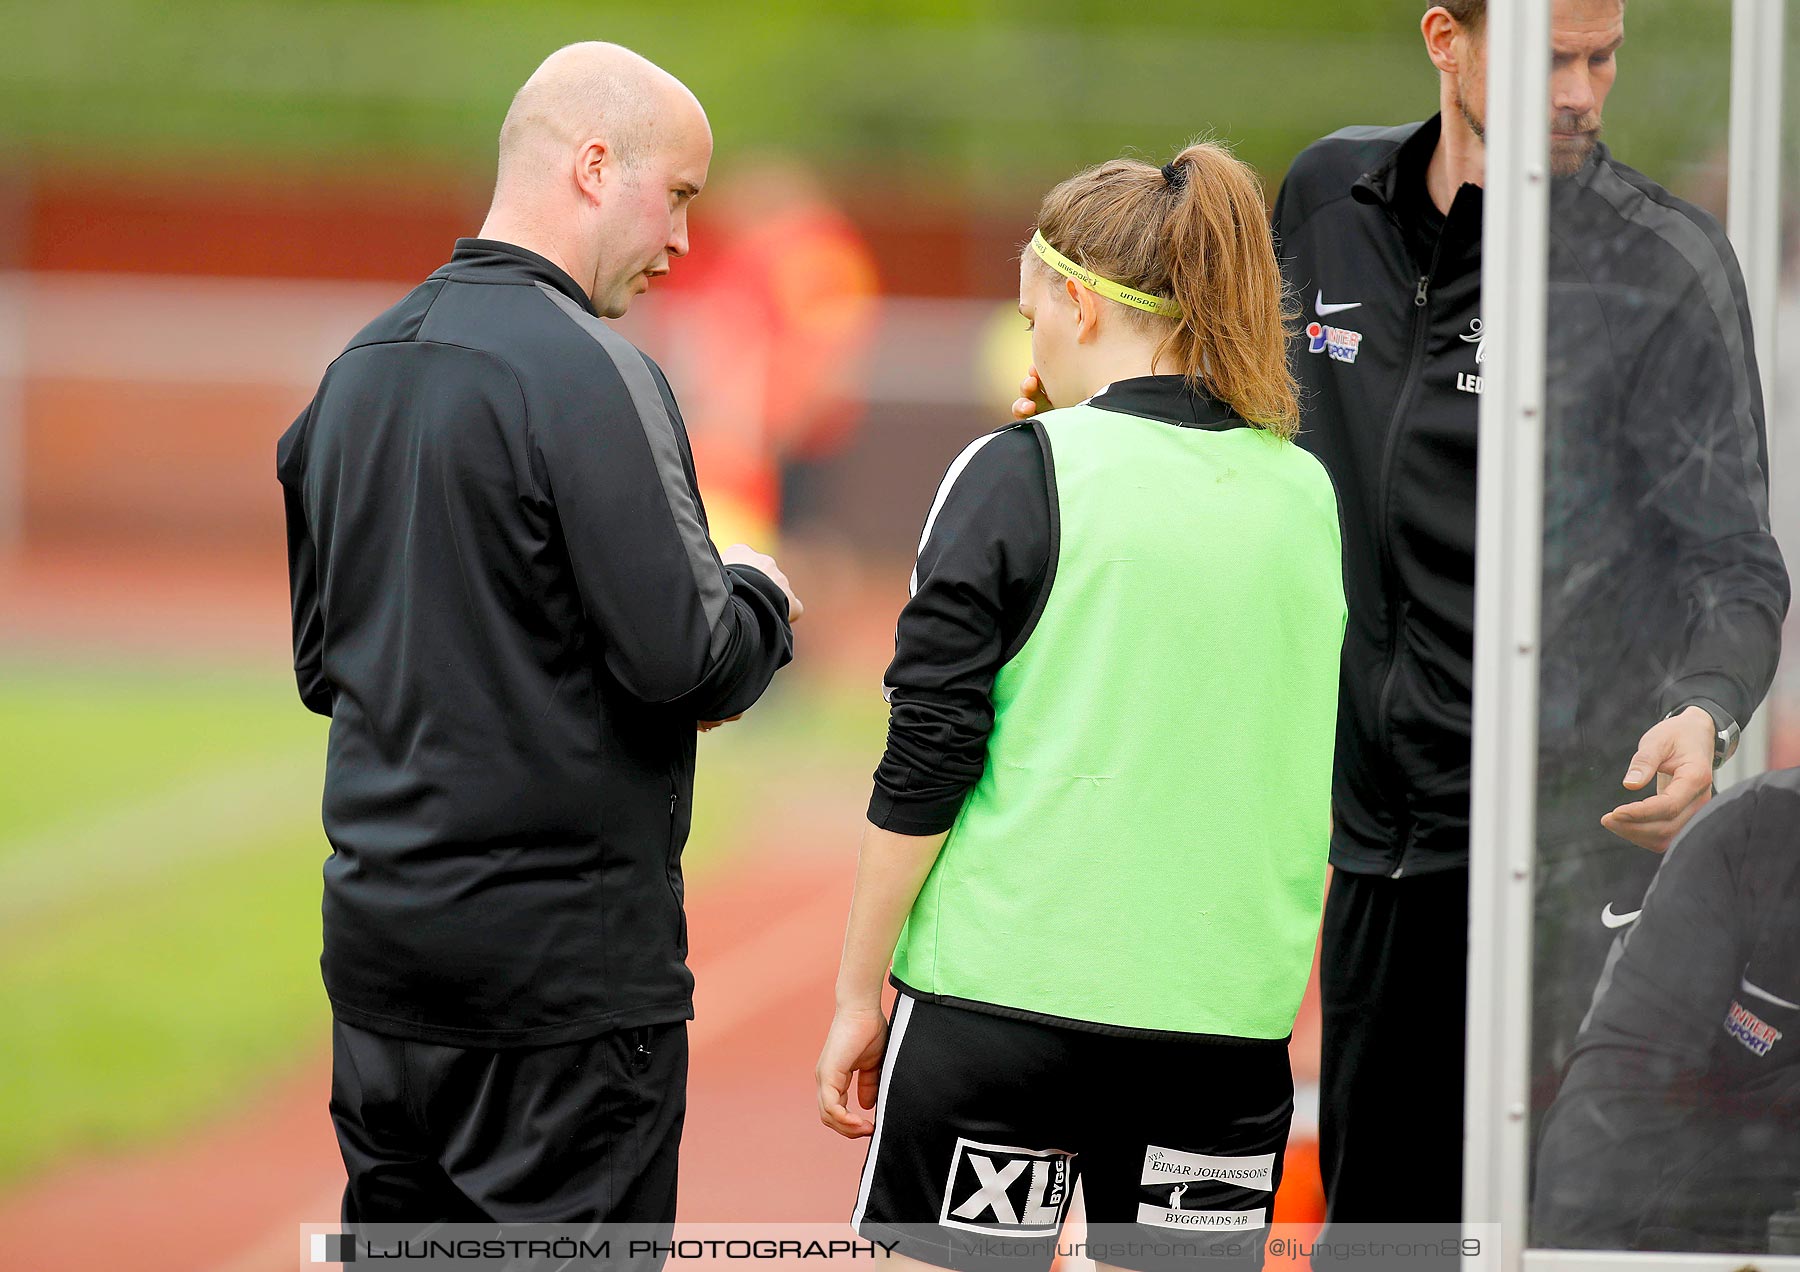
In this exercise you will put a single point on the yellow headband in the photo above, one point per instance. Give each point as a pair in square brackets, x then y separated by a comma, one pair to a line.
[1105, 286]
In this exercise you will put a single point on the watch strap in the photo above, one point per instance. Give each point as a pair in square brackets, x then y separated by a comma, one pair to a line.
[1726, 731]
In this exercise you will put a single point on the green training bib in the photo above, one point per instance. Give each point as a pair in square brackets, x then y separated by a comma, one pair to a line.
[1146, 846]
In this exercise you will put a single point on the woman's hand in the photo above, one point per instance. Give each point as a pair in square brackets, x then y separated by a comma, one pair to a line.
[890, 868]
[853, 1051]
[1031, 400]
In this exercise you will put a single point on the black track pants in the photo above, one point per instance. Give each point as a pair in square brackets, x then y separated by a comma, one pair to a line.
[1393, 989]
[580, 1132]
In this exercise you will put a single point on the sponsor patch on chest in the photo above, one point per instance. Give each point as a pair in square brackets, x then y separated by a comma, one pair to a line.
[1340, 343]
[1470, 381]
[1750, 1029]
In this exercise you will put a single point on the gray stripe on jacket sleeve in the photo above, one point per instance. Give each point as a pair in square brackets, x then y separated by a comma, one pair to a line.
[1673, 227]
[659, 433]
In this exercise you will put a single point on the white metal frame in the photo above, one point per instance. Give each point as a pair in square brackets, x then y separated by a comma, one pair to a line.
[1508, 564]
[1753, 222]
[1509, 521]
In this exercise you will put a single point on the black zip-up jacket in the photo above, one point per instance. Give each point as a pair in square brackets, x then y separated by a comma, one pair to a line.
[1662, 583]
[505, 599]
[1678, 1125]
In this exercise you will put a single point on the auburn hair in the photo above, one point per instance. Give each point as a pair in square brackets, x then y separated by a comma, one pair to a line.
[1199, 235]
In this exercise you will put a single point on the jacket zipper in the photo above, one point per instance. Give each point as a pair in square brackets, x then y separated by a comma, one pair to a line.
[1397, 612]
[669, 866]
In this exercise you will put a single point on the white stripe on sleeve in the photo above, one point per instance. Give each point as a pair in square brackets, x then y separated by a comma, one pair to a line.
[943, 491]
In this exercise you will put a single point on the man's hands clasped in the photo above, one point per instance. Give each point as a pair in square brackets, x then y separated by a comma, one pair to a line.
[744, 554]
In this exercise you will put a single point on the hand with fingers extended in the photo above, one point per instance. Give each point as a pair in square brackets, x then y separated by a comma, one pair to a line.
[744, 554]
[852, 1056]
[1031, 400]
[1678, 753]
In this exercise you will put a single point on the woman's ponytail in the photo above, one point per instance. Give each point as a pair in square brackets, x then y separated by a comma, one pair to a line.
[1196, 231]
[1233, 332]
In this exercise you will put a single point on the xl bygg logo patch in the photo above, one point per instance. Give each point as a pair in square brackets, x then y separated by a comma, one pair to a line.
[996, 1188]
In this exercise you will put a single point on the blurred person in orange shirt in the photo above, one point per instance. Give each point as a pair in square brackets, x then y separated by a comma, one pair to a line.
[771, 329]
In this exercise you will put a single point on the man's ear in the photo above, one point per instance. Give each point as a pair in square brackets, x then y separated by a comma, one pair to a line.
[593, 161]
[1087, 311]
[1440, 31]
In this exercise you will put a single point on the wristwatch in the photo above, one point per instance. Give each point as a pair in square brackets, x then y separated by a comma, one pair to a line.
[1725, 729]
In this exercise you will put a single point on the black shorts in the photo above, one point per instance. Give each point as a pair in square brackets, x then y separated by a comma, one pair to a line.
[984, 1124]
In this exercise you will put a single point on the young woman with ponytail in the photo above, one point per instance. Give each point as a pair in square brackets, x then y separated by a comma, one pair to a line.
[1097, 840]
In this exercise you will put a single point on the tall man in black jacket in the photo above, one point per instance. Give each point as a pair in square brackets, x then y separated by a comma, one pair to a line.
[505, 599]
[1663, 590]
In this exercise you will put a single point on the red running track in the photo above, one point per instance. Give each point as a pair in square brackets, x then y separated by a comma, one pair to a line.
[765, 930]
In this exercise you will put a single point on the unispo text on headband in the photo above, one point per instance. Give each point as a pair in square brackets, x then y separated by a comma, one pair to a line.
[1104, 286]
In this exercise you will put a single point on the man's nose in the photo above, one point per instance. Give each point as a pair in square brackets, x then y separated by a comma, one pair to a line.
[1572, 91]
[678, 238]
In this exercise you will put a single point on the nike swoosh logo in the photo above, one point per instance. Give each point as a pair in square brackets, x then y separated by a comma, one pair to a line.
[1615, 920]
[1325, 311]
[1756, 991]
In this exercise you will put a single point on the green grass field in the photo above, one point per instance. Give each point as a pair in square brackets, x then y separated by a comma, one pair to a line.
[858, 87]
[159, 886]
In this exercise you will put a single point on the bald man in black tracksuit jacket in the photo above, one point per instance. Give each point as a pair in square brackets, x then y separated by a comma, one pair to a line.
[1663, 589]
[505, 599]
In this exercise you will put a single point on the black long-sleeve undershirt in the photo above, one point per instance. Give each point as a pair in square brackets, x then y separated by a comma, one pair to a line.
[982, 566]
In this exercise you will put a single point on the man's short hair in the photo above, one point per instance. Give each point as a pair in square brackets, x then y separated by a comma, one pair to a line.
[1469, 14]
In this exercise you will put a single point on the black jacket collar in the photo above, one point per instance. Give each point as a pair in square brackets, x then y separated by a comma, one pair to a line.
[1382, 183]
[1168, 398]
[490, 260]
[1397, 186]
